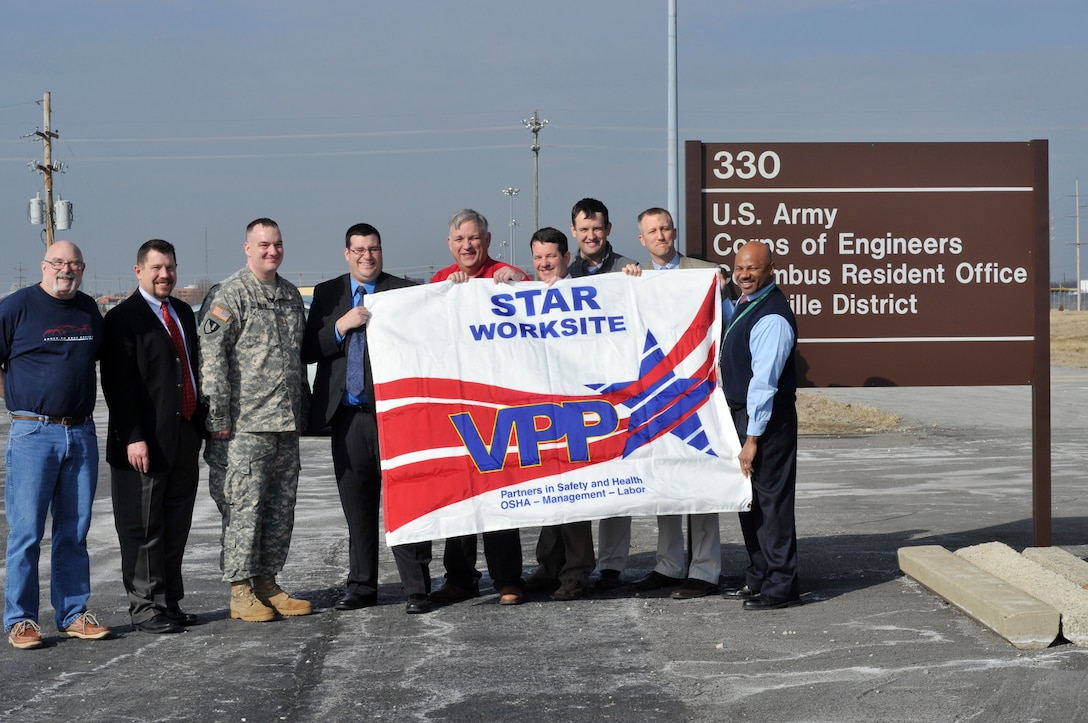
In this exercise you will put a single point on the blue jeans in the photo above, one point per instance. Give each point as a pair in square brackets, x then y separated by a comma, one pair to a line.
[50, 467]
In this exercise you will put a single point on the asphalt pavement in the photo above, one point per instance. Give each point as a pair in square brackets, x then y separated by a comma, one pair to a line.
[868, 644]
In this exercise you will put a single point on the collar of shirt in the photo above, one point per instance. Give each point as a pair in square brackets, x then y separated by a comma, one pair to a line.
[761, 292]
[674, 263]
[156, 303]
[368, 286]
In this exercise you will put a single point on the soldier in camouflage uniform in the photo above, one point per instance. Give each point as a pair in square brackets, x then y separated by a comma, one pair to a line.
[250, 337]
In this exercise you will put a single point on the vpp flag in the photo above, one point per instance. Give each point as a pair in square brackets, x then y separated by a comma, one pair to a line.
[514, 405]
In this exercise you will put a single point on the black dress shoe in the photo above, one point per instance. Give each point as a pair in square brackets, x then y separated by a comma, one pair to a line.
[417, 604]
[450, 593]
[158, 624]
[356, 600]
[693, 588]
[179, 616]
[655, 581]
[739, 593]
[609, 580]
[762, 602]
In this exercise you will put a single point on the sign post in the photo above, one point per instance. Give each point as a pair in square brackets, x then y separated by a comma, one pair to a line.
[907, 264]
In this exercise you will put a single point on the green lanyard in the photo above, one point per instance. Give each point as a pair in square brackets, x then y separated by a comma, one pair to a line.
[749, 307]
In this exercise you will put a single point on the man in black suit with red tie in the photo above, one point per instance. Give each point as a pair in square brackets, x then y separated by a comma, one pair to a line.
[343, 399]
[149, 379]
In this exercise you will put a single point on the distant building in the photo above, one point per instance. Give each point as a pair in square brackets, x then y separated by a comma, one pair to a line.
[108, 301]
[192, 295]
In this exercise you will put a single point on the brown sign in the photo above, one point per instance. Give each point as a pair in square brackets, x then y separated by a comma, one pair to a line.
[907, 264]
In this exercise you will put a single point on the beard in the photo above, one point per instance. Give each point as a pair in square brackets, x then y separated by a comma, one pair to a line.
[65, 277]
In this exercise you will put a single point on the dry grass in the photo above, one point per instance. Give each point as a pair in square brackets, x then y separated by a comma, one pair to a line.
[1069, 338]
[820, 415]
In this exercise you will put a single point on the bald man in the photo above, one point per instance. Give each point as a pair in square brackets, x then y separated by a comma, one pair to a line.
[760, 380]
[50, 331]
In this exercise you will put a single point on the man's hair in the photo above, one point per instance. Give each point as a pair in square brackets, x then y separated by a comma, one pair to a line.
[467, 214]
[590, 207]
[361, 229]
[655, 211]
[155, 244]
[549, 235]
[261, 222]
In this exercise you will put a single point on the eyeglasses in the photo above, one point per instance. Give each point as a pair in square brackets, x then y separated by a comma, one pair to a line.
[58, 265]
[373, 251]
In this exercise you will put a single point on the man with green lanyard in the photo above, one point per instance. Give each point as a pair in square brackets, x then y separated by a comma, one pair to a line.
[760, 380]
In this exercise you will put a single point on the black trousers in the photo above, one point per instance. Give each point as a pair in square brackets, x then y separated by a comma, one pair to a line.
[152, 514]
[769, 529]
[357, 465]
[502, 550]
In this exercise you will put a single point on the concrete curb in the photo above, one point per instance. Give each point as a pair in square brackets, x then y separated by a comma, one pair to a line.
[1026, 622]
[1070, 600]
[1063, 562]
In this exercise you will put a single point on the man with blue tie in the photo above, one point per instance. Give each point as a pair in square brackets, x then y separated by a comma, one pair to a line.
[343, 399]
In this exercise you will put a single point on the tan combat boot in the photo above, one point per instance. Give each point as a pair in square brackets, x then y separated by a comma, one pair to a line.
[244, 605]
[270, 593]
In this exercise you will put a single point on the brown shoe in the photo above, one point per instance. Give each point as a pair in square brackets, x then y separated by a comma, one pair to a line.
[25, 635]
[570, 590]
[244, 605]
[511, 595]
[271, 594]
[85, 627]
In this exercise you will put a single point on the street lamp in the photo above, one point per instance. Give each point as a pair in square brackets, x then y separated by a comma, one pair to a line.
[534, 125]
[510, 192]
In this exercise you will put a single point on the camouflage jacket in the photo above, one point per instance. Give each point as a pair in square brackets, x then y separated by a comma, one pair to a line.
[250, 337]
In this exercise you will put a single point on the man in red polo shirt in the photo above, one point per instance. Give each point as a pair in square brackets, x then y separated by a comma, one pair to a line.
[469, 240]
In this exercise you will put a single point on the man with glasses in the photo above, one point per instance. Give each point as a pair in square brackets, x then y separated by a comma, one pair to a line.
[50, 337]
[343, 398]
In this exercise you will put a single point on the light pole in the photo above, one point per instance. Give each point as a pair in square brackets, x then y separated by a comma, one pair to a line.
[1077, 202]
[535, 124]
[510, 192]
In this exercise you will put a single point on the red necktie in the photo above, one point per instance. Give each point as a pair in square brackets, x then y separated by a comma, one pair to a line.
[188, 389]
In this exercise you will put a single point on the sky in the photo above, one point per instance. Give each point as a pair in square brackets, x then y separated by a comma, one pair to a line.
[186, 120]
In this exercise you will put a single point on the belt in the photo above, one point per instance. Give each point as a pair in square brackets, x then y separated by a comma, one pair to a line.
[360, 407]
[66, 421]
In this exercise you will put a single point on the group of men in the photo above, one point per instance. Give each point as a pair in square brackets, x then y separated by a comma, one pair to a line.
[235, 379]
[760, 385]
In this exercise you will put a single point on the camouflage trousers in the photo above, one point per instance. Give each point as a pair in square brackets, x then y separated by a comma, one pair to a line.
[253, 478]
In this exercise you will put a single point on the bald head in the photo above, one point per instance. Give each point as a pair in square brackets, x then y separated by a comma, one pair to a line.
[754, 268]
[62, 270]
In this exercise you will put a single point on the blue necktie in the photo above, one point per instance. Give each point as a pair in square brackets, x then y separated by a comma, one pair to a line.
[356, 349]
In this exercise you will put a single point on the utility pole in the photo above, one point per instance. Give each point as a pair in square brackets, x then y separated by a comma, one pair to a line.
[535, 124]
[48, 167]
[510, 193]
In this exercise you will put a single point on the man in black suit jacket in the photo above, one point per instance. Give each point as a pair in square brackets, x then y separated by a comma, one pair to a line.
[155, 429]
[343, 398]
